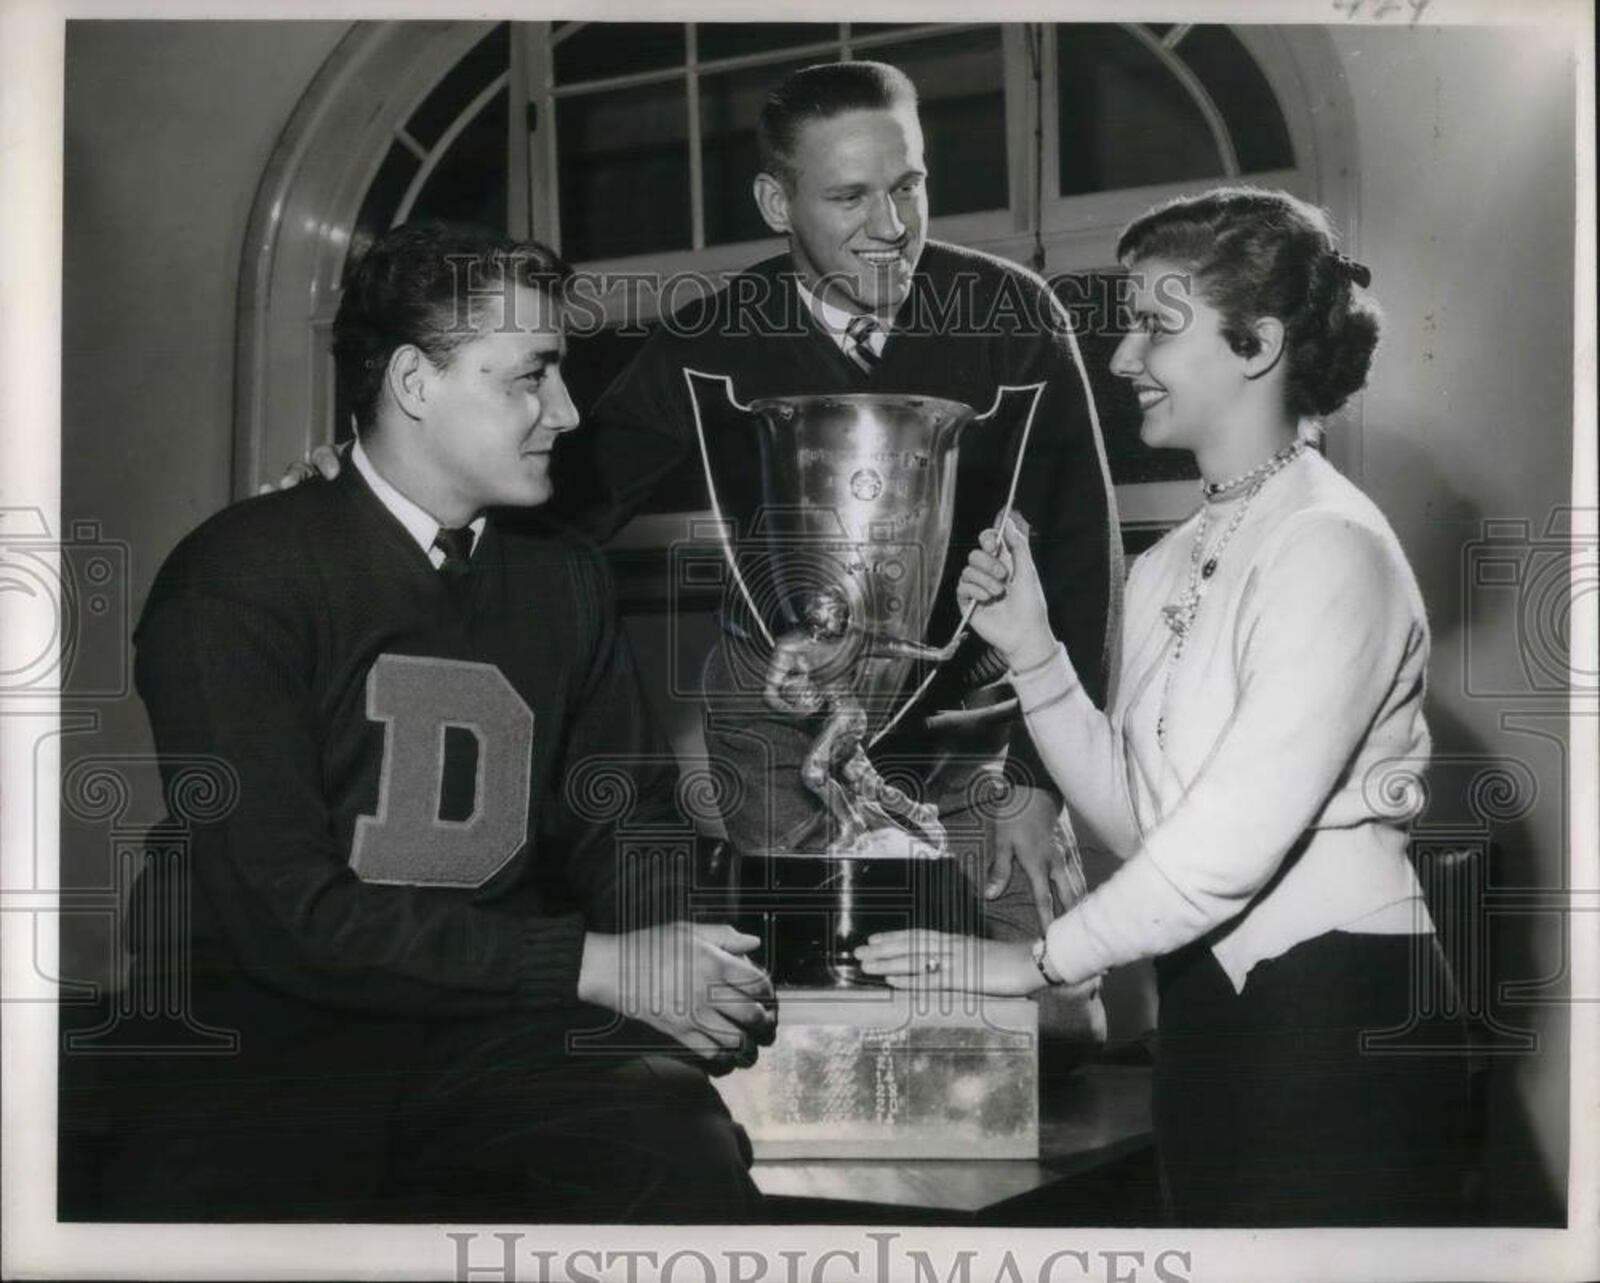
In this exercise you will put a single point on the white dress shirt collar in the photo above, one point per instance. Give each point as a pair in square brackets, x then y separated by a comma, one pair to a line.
[418, 523]
[835, 321]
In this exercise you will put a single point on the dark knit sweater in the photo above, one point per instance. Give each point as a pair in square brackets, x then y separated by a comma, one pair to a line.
[403, 841]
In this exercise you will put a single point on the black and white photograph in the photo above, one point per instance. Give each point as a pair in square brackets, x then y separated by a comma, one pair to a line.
[723, 643]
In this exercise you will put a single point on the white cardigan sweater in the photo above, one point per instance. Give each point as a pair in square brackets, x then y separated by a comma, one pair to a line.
[1295, 739]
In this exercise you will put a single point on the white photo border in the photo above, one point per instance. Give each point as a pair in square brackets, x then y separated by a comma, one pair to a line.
[36, 1246]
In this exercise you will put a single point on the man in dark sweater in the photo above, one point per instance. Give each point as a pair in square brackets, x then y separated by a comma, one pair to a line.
[457, 996]
[862, 303]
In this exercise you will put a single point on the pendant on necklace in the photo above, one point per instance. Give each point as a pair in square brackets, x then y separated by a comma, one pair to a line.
[1209, 569]
[1174, 615]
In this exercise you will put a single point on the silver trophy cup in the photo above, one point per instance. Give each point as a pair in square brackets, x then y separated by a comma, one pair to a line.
[858, 495]
[839, 568]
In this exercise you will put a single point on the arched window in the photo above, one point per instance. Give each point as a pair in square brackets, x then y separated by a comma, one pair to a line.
[1137, 106]
[697, 89]
[450, 157]
[633, 145]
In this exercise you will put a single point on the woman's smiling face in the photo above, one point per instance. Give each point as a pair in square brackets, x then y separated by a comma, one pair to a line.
[1186, 376]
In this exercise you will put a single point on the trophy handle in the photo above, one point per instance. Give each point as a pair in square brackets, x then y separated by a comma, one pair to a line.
[723, 529]
[1034, 391]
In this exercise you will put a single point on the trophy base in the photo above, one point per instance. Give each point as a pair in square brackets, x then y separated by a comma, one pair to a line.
[889, 1074]
[814, 908]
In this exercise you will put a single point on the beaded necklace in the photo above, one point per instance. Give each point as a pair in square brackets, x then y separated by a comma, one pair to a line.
[1180, 614]
[1211, 491]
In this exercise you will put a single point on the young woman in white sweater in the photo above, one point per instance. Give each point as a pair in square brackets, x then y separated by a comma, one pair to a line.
[1251, 767]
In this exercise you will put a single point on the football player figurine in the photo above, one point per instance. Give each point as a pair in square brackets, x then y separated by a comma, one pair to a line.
[810, 674]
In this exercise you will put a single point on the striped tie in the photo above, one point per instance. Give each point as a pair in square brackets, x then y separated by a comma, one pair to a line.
[860, 332]
[456, 544]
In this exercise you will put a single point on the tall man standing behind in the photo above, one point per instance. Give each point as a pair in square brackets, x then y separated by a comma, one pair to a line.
[862, 302]
[409, 916]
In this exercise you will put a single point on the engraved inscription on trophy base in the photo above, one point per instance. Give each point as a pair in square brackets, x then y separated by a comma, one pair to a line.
[885, 1074]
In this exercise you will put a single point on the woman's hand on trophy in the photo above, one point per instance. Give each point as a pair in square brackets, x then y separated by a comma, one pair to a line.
[936, 960]
[1009, 609]
[325, 461]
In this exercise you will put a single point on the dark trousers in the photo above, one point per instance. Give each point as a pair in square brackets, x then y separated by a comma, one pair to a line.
[1269, 1112]
[326, 1116]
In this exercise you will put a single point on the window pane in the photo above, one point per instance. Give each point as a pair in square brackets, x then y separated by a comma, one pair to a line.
[488, 58]
[731, 39]
[382, 200]
[623, 161]
[600, 49]
[1124, 120]
[730, 103]
[1242, 94]
[961, 84]
[469, 184]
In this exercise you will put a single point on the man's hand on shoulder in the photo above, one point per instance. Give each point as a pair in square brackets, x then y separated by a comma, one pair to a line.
[324, 461]
[690, 982]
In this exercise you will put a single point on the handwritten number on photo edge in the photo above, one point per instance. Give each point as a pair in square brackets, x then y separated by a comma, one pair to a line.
[1351, 9]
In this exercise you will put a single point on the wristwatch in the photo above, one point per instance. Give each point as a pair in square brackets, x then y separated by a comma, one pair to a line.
[1041, 959]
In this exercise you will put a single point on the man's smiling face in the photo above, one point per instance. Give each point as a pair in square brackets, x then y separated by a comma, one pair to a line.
[856, 207]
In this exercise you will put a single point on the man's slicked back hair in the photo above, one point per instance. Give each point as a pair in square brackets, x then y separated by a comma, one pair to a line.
[416, 285]
[819, 93]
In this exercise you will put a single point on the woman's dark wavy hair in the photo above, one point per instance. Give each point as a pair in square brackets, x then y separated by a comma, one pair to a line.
[819, 93]
[1258, 253]
[416, 284]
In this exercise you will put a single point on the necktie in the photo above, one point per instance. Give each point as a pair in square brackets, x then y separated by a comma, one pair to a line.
[859, 333]
[456, 544]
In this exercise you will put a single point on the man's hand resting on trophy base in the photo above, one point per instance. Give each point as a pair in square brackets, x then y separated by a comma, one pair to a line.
[688, 981]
